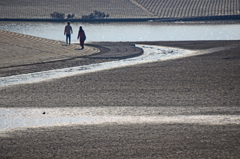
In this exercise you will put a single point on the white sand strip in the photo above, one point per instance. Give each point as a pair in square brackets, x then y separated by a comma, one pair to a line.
[21, 118]
[151, 54]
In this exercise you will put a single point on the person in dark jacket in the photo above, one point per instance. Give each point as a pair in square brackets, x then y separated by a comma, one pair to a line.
[82, 36]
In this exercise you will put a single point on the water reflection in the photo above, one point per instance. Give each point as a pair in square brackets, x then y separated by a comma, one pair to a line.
[17, 118]
[144, 31]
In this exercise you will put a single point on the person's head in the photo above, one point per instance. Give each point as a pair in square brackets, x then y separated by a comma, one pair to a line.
[68, 23]
[80, 28]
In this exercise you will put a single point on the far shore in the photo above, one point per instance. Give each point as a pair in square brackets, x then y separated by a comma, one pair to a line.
[204, 19]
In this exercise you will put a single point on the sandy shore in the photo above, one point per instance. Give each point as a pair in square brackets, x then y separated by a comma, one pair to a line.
[206, 80]
[24, 54]
[19, 49]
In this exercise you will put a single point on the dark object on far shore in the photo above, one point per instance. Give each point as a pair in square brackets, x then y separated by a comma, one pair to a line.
[95, 15]
[58, 15]
[70, 16]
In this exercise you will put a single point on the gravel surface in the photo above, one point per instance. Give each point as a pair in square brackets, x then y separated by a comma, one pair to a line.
[124, 141]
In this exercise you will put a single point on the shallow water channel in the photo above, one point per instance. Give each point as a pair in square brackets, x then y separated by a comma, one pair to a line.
[138, 31]
[21, 118]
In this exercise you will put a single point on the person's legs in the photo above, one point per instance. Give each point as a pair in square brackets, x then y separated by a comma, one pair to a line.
[68, 39]
[82, 43]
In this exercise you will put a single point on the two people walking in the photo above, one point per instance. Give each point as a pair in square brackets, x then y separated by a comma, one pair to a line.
[81, 35]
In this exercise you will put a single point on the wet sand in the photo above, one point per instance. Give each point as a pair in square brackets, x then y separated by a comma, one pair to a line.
[206, 80]
[124, 141]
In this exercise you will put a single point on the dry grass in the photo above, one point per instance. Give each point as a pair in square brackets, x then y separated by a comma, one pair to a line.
[119, 8]
[43, 8]
[190, 8]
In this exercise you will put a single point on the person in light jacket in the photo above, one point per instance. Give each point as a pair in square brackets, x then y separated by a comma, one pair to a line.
[81, 36]
[68, 31]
